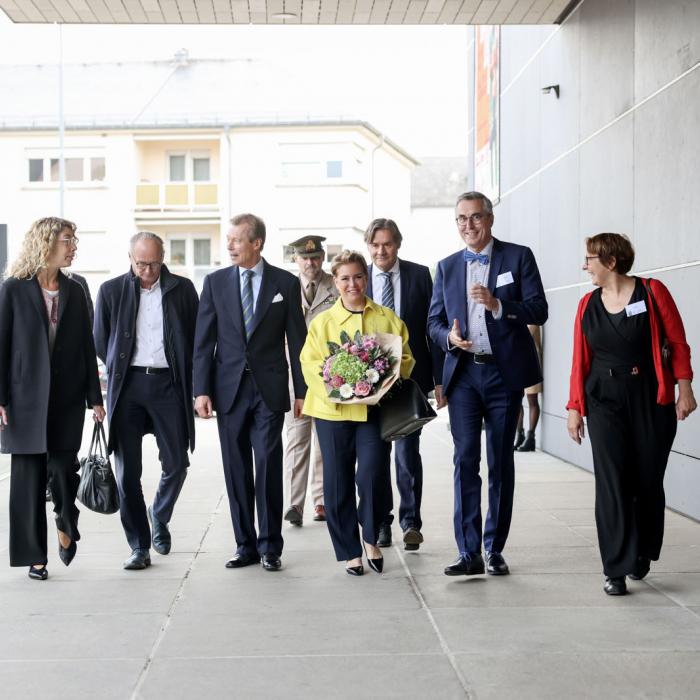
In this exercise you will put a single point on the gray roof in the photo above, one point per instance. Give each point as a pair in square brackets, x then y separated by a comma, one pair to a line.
[160, 94]
[437, 182]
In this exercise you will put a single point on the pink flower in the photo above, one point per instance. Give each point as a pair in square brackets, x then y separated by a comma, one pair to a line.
[362, 388]
[380, 365]
[363, 356]
[337, 381]
[354, 350]
[369, 344]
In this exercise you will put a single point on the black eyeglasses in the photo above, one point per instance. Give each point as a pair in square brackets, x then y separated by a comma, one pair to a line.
[150, 265]
[474, 218]
[587, 258]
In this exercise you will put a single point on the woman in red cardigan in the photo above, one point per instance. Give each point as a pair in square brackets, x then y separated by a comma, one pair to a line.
[624, 386]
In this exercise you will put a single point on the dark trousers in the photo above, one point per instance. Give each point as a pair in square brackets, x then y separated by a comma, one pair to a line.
[478, 394]
[409, 482]
[148, 401]
[631, 438]
[250, 429]
[28, 475]
[343, 443]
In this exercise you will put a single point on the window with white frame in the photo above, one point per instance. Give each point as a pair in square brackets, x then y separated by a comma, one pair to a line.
[76, 168]
[189, 166]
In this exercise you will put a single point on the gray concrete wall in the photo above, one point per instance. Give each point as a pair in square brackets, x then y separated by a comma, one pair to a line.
[617, 152]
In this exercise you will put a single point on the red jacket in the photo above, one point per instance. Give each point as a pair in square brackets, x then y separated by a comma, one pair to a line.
[672, 326]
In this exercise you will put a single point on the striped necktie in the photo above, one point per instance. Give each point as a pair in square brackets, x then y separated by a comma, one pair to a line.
[387, 291]
[247, 302]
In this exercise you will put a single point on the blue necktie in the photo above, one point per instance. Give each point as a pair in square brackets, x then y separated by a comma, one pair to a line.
[470, 257]
[388, 291]
[247, 302]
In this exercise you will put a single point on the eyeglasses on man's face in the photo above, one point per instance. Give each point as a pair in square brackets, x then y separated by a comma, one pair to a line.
[474, 218]
[142, 266]
[588, 258]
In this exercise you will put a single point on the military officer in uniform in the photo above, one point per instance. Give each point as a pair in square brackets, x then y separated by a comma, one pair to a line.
[318, 293]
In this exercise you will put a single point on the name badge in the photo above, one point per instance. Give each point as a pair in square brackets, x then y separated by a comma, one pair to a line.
[639, 307]
[505, 278]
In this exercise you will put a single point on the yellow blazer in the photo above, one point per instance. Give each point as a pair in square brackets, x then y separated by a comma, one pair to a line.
[326, 327]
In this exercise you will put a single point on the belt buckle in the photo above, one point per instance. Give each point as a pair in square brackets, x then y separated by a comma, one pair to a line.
[477, 361]
[148, 370]
[635, 370]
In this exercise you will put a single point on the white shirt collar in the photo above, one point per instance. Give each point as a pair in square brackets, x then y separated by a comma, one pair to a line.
[486, 250]
[394, 270]
[258, 269]
[155, 286]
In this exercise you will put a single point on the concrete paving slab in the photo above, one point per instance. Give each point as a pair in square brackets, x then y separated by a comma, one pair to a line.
[552, 676]
[303, 677]
[305, 632]
[531, 591]
[66, 678]
[617, 625]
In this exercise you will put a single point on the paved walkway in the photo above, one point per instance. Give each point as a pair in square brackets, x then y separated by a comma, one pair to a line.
[187, 627]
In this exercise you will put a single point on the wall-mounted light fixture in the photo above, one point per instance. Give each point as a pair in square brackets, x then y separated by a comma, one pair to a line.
[548, 88]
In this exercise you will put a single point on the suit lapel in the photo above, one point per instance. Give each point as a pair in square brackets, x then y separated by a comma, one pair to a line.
[233, 294]
[460, 292]
[405, 288]
[267, 292]
[370, 292]
[495, 267]
[37, 298]
[63, 294]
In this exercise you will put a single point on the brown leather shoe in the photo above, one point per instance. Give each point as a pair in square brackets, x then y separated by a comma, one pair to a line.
[319, 514]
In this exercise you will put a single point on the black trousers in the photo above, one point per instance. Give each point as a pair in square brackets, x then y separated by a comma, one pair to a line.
[148, 399]
[28, 530]
[409, 482]
[251, 428]
[343, 443]
[631, 438]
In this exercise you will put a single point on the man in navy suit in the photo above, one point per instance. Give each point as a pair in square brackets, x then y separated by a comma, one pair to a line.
[241, 371]
[483, 299]
[406, 288]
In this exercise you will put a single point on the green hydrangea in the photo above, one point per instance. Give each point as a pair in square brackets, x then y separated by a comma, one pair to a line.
[349, 367]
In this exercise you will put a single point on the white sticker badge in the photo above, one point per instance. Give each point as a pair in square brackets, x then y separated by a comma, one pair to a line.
[639, 307]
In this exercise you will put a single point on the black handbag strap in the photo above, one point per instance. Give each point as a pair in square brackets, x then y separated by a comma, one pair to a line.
[98, 444]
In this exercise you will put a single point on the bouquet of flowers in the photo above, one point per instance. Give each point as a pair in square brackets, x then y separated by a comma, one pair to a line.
[361, 369]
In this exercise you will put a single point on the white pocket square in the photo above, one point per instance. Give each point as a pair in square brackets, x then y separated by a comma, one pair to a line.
[277, 297]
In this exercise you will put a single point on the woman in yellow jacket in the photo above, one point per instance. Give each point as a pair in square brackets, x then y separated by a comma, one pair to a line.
[350, 432]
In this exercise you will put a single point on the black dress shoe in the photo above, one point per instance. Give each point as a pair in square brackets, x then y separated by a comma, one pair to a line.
[294, 516]
[271, 562]
[529, 444]
[519, 439]
[38, 573]
[496, 564]
[67, 553]
[240, 560]
[162, 540]
[139, 559]
[412, 539]
[615, 585]
[384, 536]
[355, 570]
[641, 569]
[466, 566]
[374, 564]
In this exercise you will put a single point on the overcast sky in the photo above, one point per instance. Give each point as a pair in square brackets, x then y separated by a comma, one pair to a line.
[410, 82]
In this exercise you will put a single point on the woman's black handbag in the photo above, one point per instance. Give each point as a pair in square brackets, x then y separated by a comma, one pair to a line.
[98, 488]
[403, 411]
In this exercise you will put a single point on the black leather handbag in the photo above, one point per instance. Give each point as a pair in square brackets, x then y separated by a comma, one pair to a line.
[98, 487]
[403, 411]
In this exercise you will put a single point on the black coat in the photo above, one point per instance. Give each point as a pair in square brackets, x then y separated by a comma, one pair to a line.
[222, 352]
[45, 393]
[416, 293]
[115, 334]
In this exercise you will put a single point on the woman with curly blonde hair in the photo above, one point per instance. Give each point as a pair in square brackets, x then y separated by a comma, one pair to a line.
[48, 374]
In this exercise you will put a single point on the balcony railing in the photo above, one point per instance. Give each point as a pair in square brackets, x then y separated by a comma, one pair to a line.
[177, 196]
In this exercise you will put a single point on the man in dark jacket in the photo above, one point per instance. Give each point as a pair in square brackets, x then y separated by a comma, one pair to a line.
[144, 333]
